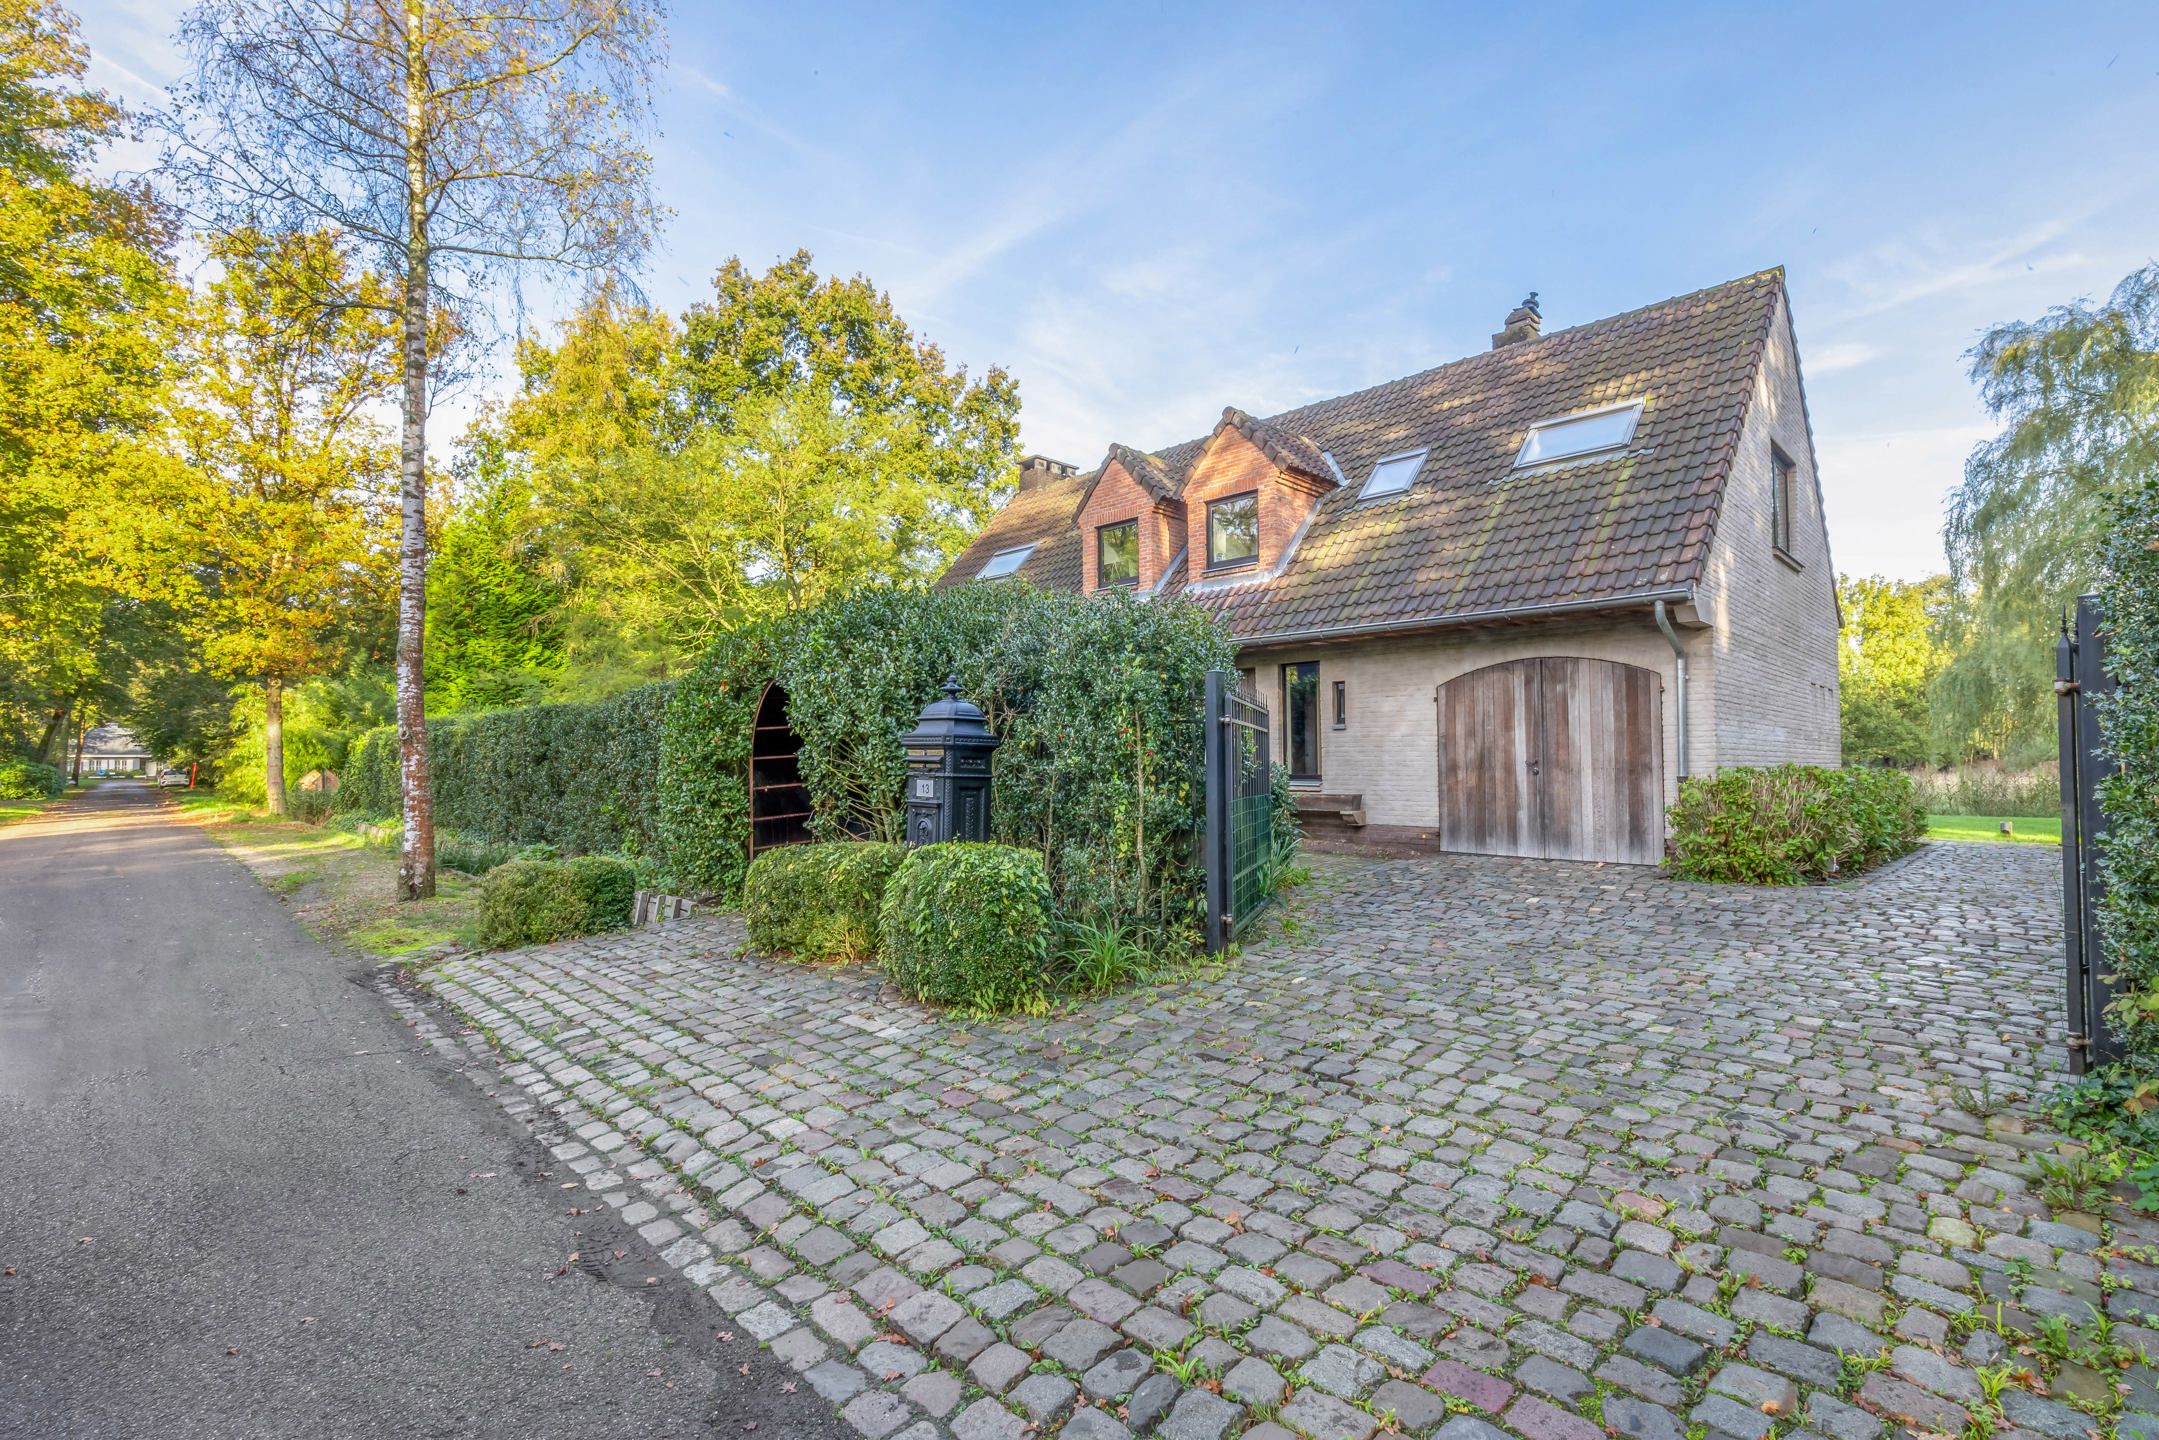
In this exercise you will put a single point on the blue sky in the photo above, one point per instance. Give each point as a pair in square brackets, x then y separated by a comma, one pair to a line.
[1149, 211]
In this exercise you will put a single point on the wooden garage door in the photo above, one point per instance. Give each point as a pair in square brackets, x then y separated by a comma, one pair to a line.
[1557, 758]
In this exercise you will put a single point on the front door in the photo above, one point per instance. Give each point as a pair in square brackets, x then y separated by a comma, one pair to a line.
[1300, 719]
[1555, 758]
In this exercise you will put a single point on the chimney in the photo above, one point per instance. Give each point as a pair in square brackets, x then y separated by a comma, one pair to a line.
[1523, 323]
[1038, 469]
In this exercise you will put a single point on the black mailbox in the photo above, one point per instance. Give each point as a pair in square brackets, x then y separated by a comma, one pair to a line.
[948, 771]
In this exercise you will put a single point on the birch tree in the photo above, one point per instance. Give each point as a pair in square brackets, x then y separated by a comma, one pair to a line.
[461, 143]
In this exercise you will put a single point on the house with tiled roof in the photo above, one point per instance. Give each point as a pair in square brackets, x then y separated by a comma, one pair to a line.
[1500, 606]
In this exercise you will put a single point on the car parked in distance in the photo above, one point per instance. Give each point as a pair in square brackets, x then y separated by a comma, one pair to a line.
[171, 779]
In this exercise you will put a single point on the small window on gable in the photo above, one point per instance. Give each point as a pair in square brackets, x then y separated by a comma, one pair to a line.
[1117, 554]
[1004, 562]
[1783, 488]
[1393, 475]
[1565, 436]
[1233, 531]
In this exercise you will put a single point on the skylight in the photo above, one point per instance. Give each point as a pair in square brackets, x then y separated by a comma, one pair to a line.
[1004, 562]
[1393, 475]
[1566, 436]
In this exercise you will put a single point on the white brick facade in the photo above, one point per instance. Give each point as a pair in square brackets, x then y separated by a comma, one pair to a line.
[1761, 645]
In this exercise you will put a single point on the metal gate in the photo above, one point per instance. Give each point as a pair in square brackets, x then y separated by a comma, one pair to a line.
[1240, 807]
[2079, 679]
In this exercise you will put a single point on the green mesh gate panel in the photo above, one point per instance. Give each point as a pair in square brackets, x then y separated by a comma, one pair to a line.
[1240, 807]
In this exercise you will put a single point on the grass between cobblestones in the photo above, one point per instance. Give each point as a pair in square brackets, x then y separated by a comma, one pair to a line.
[342, 889]
[1463, 1147]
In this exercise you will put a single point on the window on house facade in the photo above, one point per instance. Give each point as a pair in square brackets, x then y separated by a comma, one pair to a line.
[1783, 487]
[1300, 710]
[1565, 436]
[1116, 554]
[1233, 531]
[1341, 704]
[1004, 562]
[1393, 475]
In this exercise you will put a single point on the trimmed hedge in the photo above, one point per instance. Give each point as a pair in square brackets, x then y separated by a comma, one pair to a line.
[818, 902]
[531, 902]
[969, 925]
[582, 777]
[29, 780]
[1096, 701]
[2128, 911]
[1788, 824]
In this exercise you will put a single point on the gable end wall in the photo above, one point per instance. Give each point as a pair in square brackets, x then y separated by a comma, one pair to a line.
[1770, 679]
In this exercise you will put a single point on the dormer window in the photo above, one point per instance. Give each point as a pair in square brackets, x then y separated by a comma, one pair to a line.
[1584, 433]
[1117, 554]
[1004, 562]
[1393, 475]
[1233, 531]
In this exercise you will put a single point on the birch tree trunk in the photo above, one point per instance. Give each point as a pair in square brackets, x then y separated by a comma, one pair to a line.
[416, 857]
[273, 744]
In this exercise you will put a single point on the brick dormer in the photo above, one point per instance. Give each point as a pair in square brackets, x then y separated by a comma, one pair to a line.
[1279, 474]
[1135, 489]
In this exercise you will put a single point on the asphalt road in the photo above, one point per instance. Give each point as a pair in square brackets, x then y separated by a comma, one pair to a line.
[238, 1198]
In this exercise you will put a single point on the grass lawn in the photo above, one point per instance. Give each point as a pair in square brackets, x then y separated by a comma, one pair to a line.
[14, 810]
[341, 888]
[2033, 829]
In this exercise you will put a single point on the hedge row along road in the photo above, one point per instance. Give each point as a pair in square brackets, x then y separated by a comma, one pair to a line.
[246, 1200]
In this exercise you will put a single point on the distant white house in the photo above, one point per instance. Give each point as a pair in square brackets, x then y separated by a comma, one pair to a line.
[114, 750]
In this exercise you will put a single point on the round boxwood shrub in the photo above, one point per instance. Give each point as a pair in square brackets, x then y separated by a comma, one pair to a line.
[969, 925]
[818, 902]
[531, 902]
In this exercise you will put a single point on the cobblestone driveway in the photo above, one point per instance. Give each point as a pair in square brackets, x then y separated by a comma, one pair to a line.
[1459, 1145]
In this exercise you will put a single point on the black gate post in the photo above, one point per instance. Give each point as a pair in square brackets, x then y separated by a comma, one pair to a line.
[1217, 777]
[2079, 679]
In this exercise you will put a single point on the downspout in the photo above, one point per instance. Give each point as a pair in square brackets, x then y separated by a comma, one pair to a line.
[1679, 666]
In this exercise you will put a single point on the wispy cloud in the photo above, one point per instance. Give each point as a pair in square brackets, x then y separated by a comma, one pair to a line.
[1921, 266]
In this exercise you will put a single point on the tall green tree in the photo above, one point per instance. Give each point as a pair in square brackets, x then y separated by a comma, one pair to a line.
[85, 296]
[2077, 392]
[460, 142]
[494, 621]
[1888, 656]
[289, 352]
[789, 438]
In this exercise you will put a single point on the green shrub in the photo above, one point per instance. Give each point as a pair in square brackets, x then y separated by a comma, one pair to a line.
[1975, 790]
[2128, 911]
[969, 925]
[818, 902]
[472, 854]
[1790, 823]
[582, 777]
[531, 902]
[28, 780]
